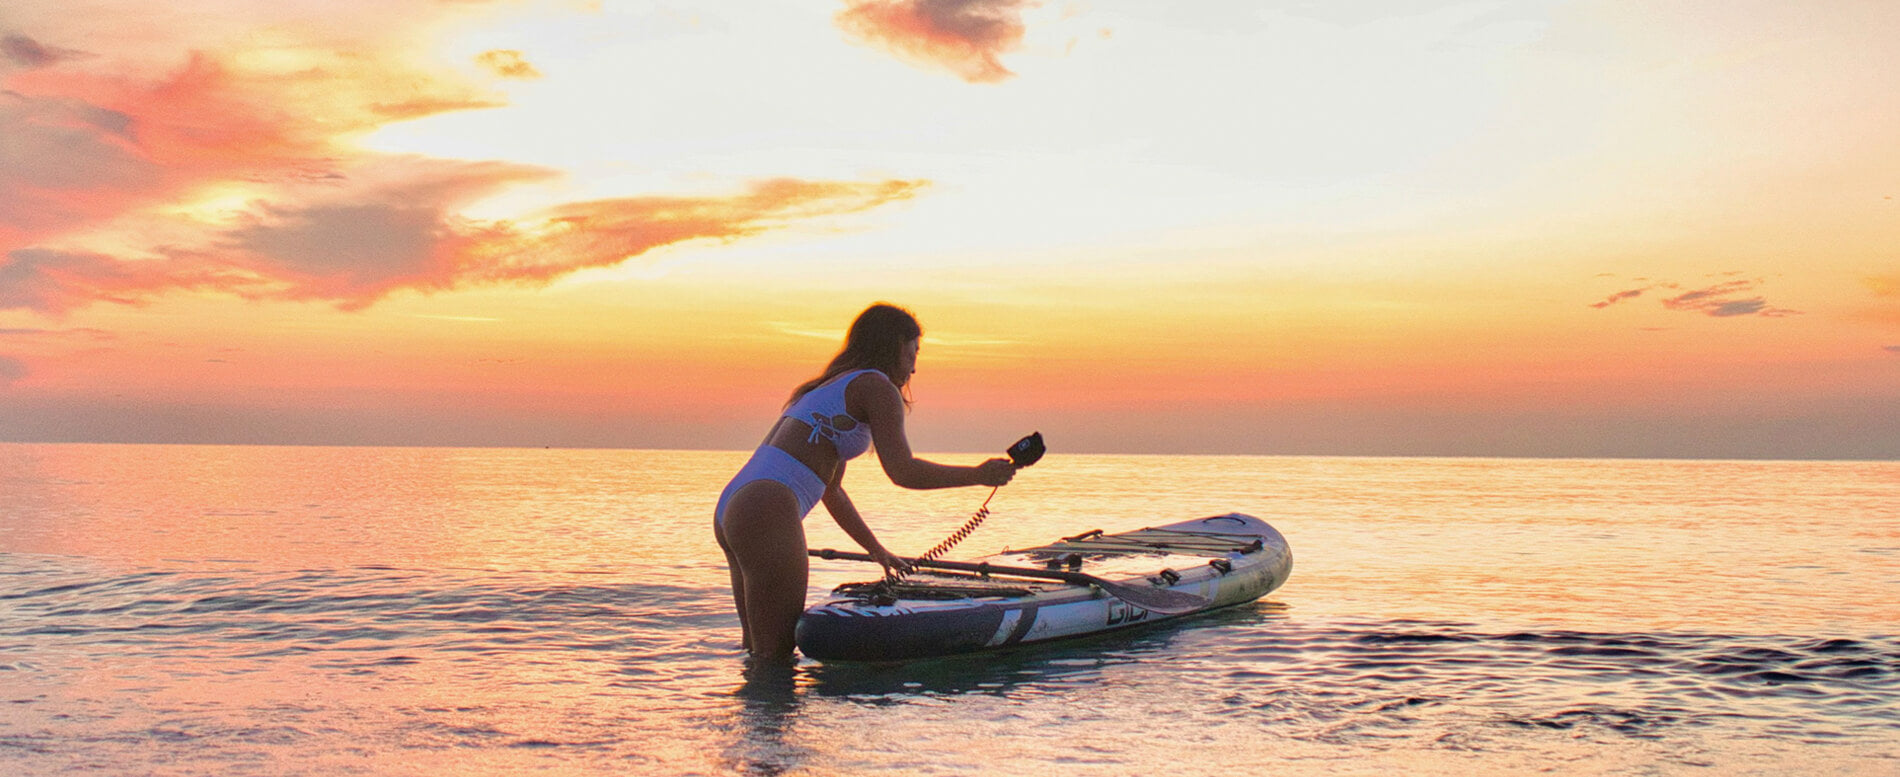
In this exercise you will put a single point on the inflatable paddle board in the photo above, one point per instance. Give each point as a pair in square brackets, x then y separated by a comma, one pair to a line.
[1085, 584]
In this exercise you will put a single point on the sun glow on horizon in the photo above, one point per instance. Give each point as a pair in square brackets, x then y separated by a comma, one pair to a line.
[1526, 228]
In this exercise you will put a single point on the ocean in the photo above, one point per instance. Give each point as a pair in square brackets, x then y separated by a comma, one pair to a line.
[192, 610]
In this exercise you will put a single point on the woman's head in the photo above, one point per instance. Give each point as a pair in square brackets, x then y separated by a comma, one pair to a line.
[883, 338]
[877, 341]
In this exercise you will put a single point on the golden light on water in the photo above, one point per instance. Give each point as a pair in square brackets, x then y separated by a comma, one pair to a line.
[410, 610]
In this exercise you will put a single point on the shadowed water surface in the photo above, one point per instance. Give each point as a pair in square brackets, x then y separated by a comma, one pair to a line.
[193, 610]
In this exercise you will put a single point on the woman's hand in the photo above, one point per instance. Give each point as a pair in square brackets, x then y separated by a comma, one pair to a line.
[995, 472]
[890, 561]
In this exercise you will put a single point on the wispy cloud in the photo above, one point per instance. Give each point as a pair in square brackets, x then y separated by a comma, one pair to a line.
[1720, 301]
[1723, 300]
[24, 52]
[461, 319]
[1621, 296]
[507, 63]
[82, 332]
[88, 144]
[1893, 349]
[795, 330]
[364, 242]
[935, 338]
[103, 150]
[54, 282]
[966, 37]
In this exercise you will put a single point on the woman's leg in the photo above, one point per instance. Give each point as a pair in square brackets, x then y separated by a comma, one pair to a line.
[738, 586]
[766, 538]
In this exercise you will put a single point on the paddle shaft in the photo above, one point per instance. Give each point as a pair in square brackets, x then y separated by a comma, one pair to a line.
[1076, 578]
[1159, 600]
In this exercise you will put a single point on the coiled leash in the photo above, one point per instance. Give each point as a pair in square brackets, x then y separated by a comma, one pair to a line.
[1025, 452]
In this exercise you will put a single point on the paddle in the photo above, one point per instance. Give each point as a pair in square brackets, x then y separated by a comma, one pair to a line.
[1152, 599]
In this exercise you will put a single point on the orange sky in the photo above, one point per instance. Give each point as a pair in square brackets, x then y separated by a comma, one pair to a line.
[1488, 228]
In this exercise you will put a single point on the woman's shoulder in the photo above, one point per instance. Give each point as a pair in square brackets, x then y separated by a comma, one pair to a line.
[867, 384]
[836, 381]
[871, 377]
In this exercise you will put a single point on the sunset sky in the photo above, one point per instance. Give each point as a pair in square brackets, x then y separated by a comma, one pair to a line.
[1387, 228]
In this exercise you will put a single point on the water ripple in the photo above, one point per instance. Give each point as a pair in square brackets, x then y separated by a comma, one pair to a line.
[1365, 681]
[358, 610]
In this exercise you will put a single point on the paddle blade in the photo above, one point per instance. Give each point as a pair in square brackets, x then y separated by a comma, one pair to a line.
[1156, 600]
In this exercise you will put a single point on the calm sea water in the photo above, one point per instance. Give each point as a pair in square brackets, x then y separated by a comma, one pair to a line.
[249, 610]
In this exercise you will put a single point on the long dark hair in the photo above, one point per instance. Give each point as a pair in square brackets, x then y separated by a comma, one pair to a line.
[875, 342]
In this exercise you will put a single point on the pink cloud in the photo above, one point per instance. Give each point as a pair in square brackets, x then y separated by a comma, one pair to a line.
[965, 37]
[357, 250]
[367, 240]
[1722, 300]
[55, 282]
[22, 51]
[88, 145]
[95, 144]
[1621, 296]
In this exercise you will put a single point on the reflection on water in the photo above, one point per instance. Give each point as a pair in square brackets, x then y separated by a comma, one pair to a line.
[769, 701]
[398, 671]
[327, 611]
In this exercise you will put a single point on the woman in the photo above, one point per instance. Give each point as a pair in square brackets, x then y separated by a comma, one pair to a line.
[858, 400]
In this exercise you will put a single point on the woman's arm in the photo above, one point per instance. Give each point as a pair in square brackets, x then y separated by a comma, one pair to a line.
[883, 408]
[839, 504]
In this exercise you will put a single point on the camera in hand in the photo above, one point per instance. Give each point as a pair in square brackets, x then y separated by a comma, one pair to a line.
[1027, 450]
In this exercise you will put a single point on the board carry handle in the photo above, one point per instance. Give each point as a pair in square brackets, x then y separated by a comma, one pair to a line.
[1152, 599]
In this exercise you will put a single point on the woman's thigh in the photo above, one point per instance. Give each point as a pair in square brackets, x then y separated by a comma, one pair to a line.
[764, 535]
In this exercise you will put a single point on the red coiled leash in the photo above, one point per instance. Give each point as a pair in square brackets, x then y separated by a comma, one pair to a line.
[1025, 452]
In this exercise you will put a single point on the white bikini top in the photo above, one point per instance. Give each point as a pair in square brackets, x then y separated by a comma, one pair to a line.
[823, 409]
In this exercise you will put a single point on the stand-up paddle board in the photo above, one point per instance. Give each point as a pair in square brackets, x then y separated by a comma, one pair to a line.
[1086, 584]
